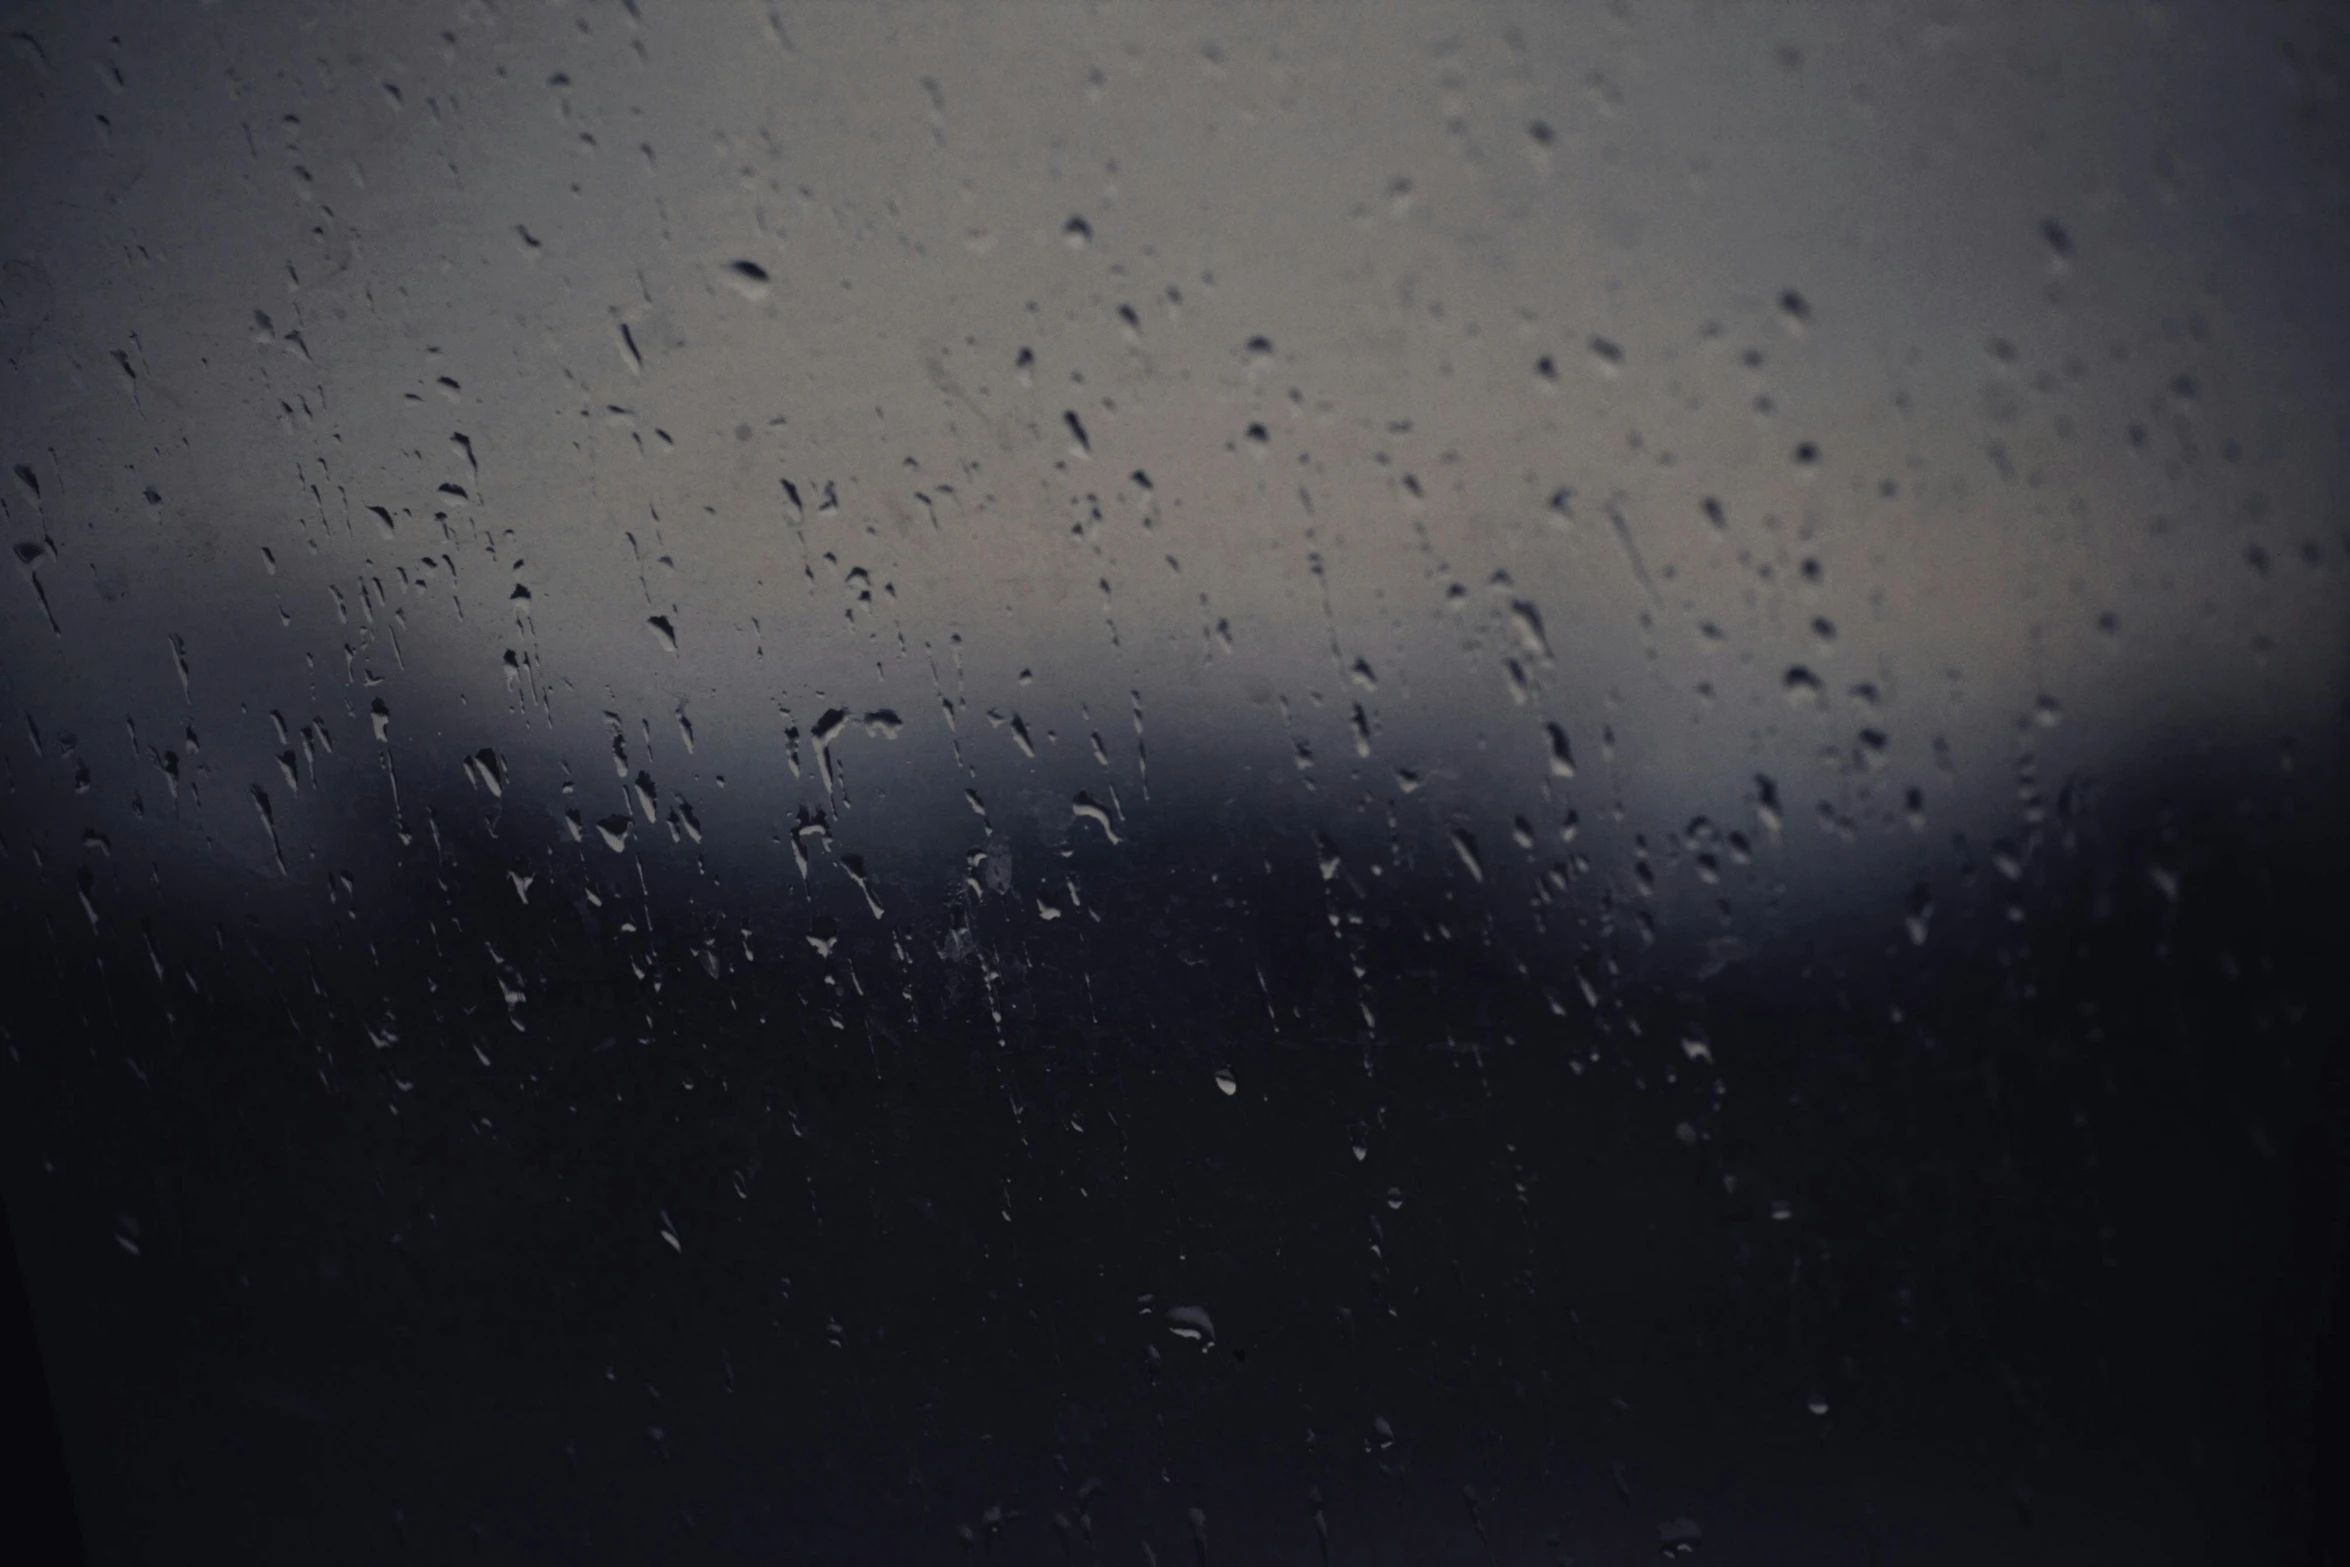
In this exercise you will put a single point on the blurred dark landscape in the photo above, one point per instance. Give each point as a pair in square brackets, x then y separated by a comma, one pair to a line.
[2060, 1259]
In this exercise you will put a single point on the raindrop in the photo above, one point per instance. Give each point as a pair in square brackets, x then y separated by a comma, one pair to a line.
[1562, 759]
[748, 279]
[1680, 1537]
[1191, 1322]
[1084, 809]
[1527, 621]
[1920, 911]
[1464, 844]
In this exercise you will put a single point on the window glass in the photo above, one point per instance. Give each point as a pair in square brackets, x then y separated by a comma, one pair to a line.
[1437, 782]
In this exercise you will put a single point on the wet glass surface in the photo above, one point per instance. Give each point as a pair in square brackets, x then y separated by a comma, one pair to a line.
[1156, 783]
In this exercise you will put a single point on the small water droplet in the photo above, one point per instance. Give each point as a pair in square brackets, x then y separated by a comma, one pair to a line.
[1191, 1322]
[748, 279]
[1464, 844]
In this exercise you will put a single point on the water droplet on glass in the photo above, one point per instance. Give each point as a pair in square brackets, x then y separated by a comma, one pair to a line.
[1191, 1322]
